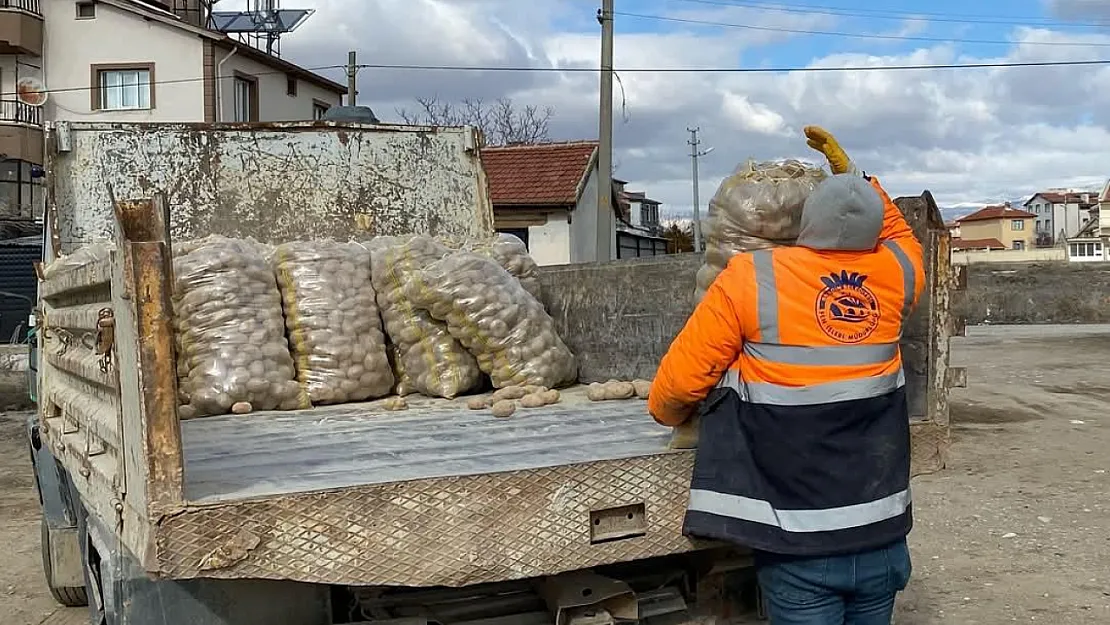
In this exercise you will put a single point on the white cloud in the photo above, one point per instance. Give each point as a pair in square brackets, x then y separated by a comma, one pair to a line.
[967, 135]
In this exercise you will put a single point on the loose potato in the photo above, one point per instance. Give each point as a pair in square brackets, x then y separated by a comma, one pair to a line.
[478, 403]
[242, 407]
[642, 388]
[394, 404]
[550, 397]
[510, 392]
[534, 400]
[488, 311]
[619, 390]
[596, 392]
[230, 330]
[503, 408]
[332, 321]
[425, 357]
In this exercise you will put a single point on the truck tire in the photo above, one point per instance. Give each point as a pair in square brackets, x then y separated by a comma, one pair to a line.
[71, 597]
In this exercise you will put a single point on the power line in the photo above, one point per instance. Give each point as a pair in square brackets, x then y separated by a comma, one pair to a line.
[897, 15]
[648, 70]
[739, 70]
[801, 31]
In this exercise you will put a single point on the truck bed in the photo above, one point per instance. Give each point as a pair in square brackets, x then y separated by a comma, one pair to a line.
[330, 447]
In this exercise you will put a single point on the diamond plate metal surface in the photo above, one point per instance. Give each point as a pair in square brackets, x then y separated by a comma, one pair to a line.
[437, 532]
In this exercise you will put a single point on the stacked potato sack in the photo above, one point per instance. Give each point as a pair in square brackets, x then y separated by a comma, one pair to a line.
[758, 206]
[231, 347]
[511, 253]
[332, 321]
[496, 319]
[426, 359]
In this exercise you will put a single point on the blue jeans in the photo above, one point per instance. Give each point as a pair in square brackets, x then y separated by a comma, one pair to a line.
[854, 589]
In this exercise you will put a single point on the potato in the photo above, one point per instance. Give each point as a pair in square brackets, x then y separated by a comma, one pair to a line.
[332, 319]
[596, 392]
[425, 358]
[534, 400]
[230, 330]
[478, 403]
[619, 390]
[510, 392]
[642, 388]
[394, 404]
[758, 206]
[504, 408]
[242, 407]
[550, 396]
[488, 311]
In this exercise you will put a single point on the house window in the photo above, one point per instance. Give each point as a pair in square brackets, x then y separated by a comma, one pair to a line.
[123, 88]
[290, 86]
[86, 10]
[319, 109]
[1017, 224]
[1085, 250]
[245, 99]
[649, 214]
[1019, 245]
[21, 195]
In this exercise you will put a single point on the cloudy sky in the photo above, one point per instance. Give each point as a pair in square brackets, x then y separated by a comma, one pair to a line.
[971, 136]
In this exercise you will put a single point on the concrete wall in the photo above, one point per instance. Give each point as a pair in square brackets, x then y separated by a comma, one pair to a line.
[1036, 293]
[73, 45]
[1050, 254]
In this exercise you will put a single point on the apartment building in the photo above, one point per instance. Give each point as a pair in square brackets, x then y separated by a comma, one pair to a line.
[134, 61]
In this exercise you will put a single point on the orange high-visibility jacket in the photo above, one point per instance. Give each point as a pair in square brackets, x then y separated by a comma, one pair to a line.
[804, 447]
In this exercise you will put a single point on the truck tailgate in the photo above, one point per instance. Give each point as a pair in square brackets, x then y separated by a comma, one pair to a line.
[277, 453]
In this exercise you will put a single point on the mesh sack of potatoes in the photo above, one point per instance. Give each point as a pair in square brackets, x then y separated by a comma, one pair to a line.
[496, 319]
[231, 347]
[426, 358]
[758, 206]
[511, 253]
[331, 318]
[84, 255]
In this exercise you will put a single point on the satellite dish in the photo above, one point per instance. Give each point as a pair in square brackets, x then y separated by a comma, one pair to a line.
[30, 91]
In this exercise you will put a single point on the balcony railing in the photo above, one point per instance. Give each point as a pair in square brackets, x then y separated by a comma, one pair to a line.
[30, 6]
[16, 112]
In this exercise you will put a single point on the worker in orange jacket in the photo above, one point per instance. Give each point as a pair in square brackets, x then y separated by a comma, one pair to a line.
[804, 442]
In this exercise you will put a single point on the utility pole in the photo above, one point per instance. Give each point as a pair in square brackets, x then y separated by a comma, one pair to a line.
[605, 236]
[352, 72]
[694, 154]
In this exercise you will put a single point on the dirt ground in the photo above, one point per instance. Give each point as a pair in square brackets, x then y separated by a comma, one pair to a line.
[1014, 530]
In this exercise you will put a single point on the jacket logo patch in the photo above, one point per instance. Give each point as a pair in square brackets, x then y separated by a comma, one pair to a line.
[846, 309]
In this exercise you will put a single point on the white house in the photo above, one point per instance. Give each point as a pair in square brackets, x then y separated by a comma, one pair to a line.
[1060, 214]
[126, 60]
[547, 195]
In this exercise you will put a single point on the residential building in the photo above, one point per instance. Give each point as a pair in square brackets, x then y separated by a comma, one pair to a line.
[1088, 245]
[1059, 214]
[547, 195]
[953, 228]
[131, 60]
[1013, 228]
[638, 230]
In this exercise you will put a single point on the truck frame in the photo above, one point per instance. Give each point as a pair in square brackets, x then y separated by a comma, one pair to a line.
[309, 517]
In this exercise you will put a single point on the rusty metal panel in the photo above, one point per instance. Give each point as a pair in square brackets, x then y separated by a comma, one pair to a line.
[273, 181]
[450, 531]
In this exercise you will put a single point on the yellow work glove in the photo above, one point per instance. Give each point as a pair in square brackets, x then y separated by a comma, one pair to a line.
[822, 140]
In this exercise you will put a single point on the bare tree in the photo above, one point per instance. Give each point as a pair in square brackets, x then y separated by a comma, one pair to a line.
[501, 121]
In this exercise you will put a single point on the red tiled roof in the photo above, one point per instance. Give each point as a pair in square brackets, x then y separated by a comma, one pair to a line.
[977, 244]
[996, 212]
[538, 174]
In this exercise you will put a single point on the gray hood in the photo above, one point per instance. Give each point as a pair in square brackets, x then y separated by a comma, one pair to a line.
[843, 213]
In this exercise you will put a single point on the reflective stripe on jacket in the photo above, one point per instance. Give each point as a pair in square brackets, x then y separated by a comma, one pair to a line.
[804, 448]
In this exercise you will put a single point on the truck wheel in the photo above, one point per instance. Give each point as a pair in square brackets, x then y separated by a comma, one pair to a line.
[71, 597]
